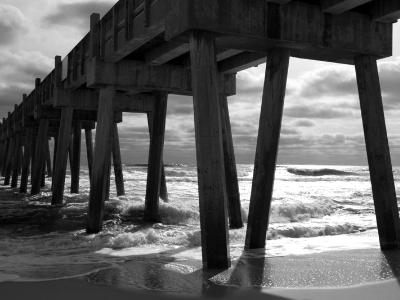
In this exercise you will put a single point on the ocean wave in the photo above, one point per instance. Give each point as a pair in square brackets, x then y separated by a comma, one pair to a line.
[301, 231]
[295, 211]
[319, 172]
[169, 214]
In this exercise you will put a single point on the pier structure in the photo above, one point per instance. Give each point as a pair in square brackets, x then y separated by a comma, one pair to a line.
[141, 51]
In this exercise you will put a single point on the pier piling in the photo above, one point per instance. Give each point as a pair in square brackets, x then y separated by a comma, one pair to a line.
[232, 185]
[116, 157]
[61, 158]
[76, 156]
[39, 161]
[89, 150]
[209, 152]
[267, 147]
[27, 160]
[99, 184]
[380, 166]
[158, 117]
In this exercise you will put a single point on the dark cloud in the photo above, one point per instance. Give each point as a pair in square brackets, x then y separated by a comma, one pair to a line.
[12, 24]
[17, 75]
[77, 14]
[9, 96]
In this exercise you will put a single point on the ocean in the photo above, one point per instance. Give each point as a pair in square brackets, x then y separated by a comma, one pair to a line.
[315, 209]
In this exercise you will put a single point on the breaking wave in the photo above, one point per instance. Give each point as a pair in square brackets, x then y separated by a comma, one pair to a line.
[319, 172]
[301, 230]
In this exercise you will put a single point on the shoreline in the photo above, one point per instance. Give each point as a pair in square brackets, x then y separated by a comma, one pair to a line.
[80, 289]
[352, 274]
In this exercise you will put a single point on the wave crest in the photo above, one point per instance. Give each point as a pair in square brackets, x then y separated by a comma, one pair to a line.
[319, 172]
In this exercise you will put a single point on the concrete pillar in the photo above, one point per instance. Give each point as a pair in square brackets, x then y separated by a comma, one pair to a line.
[209, 152]
[89, 150]
[232, 185]
[163, 185]
[39, 156]
[380, 166]
[151, 212]
[116, 154]
[99, 184]
[61, 158]
[16, 164]
[76, 157]
[27, 159]
[267, 147]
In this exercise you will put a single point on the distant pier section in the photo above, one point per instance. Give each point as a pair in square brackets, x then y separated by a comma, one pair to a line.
[141, 51]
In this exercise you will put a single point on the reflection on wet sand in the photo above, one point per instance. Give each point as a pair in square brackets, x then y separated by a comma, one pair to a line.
[253, 272]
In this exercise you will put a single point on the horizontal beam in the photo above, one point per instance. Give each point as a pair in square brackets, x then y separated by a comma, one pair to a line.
[87, 100]
[340, 6]
[241, 61]
[386, 10]
[296, 25]
[279, 1]
[135, 76]
[167, 52]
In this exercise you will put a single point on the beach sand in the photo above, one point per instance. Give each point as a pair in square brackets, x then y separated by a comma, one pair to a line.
[358, 274]
[80, 289]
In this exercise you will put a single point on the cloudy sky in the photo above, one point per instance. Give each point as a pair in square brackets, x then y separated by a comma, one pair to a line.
[322, 120]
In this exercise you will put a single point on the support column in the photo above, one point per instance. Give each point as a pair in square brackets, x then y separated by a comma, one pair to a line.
[55, 139]
[209, 152]
[48, 160]
[89, 150]
[116, 154]
[101, 162]
[33, 157]
[9, 159]
[16, 164]
[7, 145]
[61, 158]
[232, 185]
[380, 166]
[70, 152]
[163, 185]
[1, 155]
[27, 160]
[76, 157]
[151, 211]
[267, 147]
[43, 172]
[39, 156]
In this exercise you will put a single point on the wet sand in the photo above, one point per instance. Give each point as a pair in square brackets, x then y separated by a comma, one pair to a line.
[358, 274]
[79, 289]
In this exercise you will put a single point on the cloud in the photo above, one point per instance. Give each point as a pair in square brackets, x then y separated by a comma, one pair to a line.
[317, 112]
[180, 106]
[333, 81]
[77, 14]
[12, 24]
[303, 123]
[17, 75]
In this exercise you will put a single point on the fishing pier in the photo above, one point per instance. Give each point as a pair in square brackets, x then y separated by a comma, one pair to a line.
[141, 51]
